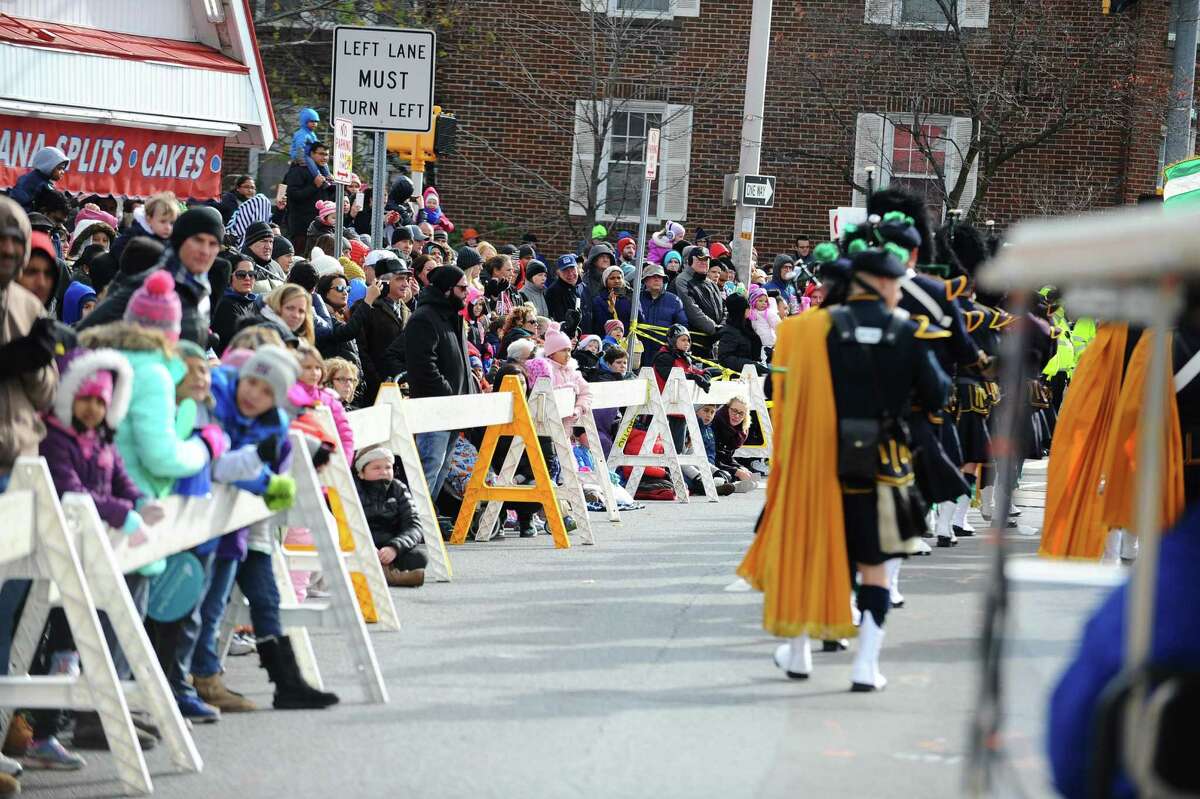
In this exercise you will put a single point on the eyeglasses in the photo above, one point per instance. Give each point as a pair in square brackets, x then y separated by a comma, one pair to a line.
[736, 412]
[460, 287]
[242, 274]
[350, 381]
[699, 257]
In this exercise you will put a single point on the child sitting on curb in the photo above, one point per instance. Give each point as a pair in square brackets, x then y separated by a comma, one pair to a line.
[392, 517]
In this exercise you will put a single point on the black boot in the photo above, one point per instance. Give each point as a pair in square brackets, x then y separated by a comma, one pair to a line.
[292, 692]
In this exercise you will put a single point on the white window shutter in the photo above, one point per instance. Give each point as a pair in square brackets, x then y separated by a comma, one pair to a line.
[675, 161]
[973, 13]
[961, 131]
[583, 153]
[881, 12]
[868, 151]
[686, 8]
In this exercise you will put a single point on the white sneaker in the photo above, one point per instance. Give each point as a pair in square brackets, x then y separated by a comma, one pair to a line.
[10, 767]
[744, 486]
[761, 466]
[923, 548]
[242, 644]
[738, 586]
[1129, 547]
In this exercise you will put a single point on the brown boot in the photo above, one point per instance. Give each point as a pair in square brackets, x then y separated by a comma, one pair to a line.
[9, 785]
[20, 735]
[414, 578]
[214, 692]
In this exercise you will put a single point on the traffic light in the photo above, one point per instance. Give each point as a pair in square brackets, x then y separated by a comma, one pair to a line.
[416, 148]
[1116, 6]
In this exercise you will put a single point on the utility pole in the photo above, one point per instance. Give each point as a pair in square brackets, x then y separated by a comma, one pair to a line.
[1183, 84]
[752, 125]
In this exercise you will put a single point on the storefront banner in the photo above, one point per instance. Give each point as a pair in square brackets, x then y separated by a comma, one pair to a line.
[116, 160]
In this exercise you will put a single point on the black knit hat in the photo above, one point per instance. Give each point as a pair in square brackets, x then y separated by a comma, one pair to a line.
[534, 268]
[194, 221]
[507, 249]
[282, 246]
[445, 278]
[401, 233]
[467, 257]
[141, 253]
[257, 231]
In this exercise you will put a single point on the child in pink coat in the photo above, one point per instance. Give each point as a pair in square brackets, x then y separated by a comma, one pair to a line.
[307, 392]
[764, 314]
[663, 241]
[433, 213]
[565, 372]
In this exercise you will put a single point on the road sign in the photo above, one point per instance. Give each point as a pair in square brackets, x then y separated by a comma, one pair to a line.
[758, 191]
[652, 137]
[840, 217]
[383, 78]
[343, 150]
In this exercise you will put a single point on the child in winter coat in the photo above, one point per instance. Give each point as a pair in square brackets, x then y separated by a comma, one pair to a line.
[663, 241]
[433, 213]
[565, 372]
[49, 165]
[392, 517]
[308, 393]
[764, 315]
[93, 397]
[248, 402]
[303, 138]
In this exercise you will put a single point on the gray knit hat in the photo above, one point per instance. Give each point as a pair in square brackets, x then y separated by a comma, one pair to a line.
[275, 365]
[377, 453]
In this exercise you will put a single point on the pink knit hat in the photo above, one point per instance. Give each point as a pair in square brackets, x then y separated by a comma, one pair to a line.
[156, 305]
[99, 384]
[556, 340]
[325, 208]
[536, 368]
[95, 214]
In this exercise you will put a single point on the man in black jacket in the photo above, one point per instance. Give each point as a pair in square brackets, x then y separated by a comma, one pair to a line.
[702, 300]
[436, 354]
[383, 329]
[303, 192]
[564, 298]
[195, 242]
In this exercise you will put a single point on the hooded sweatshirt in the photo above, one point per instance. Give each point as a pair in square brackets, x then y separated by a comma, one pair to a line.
[73, 301]
[45, 161]
[303, 138]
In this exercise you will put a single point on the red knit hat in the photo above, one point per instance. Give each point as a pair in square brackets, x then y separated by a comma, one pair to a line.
[717, 249]
[156, 305]
[358, 251]
[621, 244]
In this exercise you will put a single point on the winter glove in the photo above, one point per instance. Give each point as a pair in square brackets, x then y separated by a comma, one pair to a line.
[281, 493]
[320, 455]
[571, 322]
[214, 439]
[703, 382]
[28, 353]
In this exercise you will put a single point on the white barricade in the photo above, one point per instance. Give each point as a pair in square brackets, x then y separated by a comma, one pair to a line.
[64, 548]
[680, 397]
[659, 429]
[610, 394]
[341, 611]
[427, 415]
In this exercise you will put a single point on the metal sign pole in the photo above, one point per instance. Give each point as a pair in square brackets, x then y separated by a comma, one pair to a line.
[339, 195]
[652, 144]
[379, 191]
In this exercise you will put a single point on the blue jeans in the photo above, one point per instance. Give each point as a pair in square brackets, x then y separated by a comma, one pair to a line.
[435, 450]
[257, 581]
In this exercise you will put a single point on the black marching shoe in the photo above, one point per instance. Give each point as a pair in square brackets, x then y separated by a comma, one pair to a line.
[947, 541]
[292, 691]
[962, 532]
[838, 645]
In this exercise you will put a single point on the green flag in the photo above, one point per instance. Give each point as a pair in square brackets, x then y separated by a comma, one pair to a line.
[1181, 188]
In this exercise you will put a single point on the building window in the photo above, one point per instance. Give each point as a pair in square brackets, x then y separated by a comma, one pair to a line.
[911, 157]
[926, 13]
[617, 184]
[627, 162]
[644, 6]
[651, 9]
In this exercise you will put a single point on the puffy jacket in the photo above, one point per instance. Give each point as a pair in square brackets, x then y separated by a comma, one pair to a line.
[154, 455]
[739, 345]
[436, 348]
[32, 182]
[668, 359]
[703, 302]
[537, 298]
[21, 397]
[303, 395]
[662, 311]
[391, 514]
[568, 376]
[99, 472]
[601, 312]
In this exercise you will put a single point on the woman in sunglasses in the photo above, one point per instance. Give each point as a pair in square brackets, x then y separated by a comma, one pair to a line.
[334, 289]
[238, 301]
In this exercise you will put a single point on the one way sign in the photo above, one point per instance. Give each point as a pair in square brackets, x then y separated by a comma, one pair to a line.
[758, 191]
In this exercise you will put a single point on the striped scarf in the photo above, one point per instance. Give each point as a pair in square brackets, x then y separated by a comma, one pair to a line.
[256, 209]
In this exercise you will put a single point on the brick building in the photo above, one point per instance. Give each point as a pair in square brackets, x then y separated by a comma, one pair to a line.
[553, 112]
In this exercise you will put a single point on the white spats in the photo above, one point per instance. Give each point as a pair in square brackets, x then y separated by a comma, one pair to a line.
[795, 657]
[864, 675]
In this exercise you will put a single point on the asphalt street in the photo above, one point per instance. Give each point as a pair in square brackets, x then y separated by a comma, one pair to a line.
[626, 669]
